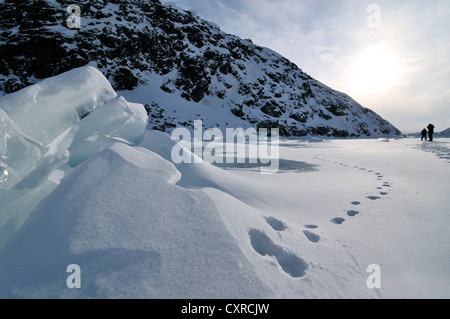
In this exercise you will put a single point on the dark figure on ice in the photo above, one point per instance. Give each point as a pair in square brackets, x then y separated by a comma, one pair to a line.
[430, 132]
[424, 134]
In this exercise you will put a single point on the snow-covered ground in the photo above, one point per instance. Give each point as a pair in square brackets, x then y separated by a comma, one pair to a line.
[140, 227]
[108, 198]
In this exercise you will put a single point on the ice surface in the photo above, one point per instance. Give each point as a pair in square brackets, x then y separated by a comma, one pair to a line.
[3, 174]
[17, 151]
[116, 121]
[45, 110]
[32, 118]
[63, 119]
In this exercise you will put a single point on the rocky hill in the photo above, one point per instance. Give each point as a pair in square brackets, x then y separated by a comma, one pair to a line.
[147, 43]
[445, 133]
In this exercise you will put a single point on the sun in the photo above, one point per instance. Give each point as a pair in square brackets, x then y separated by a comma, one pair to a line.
[374, 70]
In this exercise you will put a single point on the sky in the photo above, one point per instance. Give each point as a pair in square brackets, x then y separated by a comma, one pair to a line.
[390, 56]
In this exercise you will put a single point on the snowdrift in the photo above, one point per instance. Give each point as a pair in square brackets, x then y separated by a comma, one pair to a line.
[133, 233]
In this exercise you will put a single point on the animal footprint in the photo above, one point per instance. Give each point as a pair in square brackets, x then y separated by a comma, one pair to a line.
[311, 236]
[338, 220]
[356, 203]
[352, 213]
[373, 197]
[311, 226]
[289, 262]
[276, 224]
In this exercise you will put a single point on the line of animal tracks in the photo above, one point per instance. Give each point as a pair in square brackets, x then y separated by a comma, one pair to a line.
[357, 206]
[294, 265]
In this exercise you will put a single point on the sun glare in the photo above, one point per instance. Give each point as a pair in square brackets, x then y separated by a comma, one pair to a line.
[374, 70]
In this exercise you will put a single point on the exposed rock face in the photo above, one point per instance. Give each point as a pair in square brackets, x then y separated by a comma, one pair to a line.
[132, 42]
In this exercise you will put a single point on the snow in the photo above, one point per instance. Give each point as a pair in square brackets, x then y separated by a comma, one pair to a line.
[179, 110]
[106, 196]
[141, 227]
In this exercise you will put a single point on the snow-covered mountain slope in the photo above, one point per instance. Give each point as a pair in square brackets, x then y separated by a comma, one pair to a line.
[147, 44]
